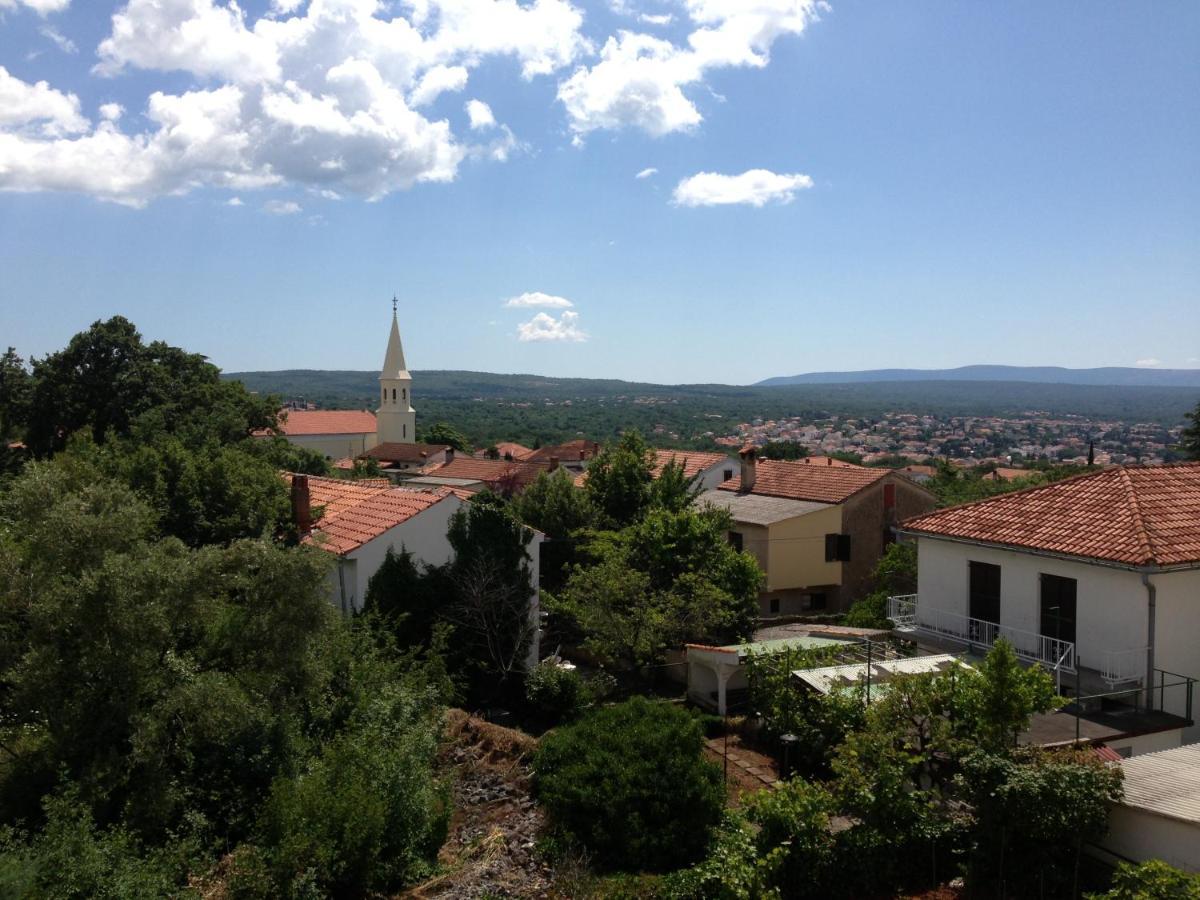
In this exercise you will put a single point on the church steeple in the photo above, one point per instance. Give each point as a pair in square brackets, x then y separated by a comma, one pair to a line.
[393, 362]
[396, 420]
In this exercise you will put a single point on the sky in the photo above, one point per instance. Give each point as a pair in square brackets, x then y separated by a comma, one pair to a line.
[658, 190]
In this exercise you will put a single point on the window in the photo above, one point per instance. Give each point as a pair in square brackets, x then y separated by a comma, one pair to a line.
[728, 473]
[817, 601]
[393, 395]
[837, 548]
[735, 540]
[403, 431]
[1058, 607]
[984, 591]
[775, 604]
[889, 497]
[404, 394]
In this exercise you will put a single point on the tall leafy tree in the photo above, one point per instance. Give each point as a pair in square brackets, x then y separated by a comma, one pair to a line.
[1189, 439]
[553, 505]
[619, 480]
[15, 385]
[442, 433]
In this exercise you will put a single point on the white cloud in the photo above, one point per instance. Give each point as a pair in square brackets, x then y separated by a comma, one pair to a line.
[41, 7]
[656, 19]
[532, 299]
[639, 79]
[480, 115]
[282, 207]
[1192, 360]
[234, 201]
[646, 173]
[56, 37]
[111, 112]
[756, 187]
[544, 327]
[36, 109]
[1148, 363]
[323, 95]
[438, 80]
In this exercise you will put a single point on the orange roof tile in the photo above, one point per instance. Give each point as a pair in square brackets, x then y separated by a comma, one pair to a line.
[572, 450]
[492, 472]
[693, 461]
[509, 448]
[1134, 515]
[795, 480]
[355, 512]
[326, 421]
[397, 452]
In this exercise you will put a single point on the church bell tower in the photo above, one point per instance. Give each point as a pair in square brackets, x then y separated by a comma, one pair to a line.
[396, 420]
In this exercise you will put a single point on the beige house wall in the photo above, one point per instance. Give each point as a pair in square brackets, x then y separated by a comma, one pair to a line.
[335, 446]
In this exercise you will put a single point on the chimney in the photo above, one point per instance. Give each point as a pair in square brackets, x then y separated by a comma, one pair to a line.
[553, 463]
[301, 505]
[829, 460]
[449, 454]
[749, 473]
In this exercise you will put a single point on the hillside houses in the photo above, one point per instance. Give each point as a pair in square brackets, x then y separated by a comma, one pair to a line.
[816, 530]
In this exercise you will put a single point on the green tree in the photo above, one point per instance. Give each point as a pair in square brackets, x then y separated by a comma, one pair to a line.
[442, 433]
[409, 598]
[110, 383]
[15, 386]
[619, 479]
[1189, 438]
[553, 505]
[672, 490]
[1004, 696]
[670, 578]
[493, 587]
[1033, 812]
[630, 784]
[1151, 880]
[783, 450]
[895, 573]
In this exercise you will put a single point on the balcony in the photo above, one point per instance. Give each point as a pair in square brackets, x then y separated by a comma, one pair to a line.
[978, 634]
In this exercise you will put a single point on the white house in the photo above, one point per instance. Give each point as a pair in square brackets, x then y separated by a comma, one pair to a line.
[1096, 577]
[334, 433]
[1159, 815]
[709, 469]
[359, 521]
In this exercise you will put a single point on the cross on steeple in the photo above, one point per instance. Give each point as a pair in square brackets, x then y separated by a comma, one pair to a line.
[394, 302]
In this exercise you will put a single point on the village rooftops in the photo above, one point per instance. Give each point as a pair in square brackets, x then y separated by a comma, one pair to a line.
[694, 462]
[501, 473]
[1145, 517]
[754, 509]
[405, 453]
[794, 480]
[294, 422]
[571, 451]
[351, 513]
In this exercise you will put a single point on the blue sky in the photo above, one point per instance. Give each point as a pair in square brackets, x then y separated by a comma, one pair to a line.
[858, 185]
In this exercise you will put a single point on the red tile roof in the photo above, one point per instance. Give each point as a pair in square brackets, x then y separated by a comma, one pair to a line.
[828, 461]
[795, 480]
[509, 448]
[693, 461]
[1134, 515]
[406, 453]
[355, 512]
[326, 421]
[492, 472]
[572, 450]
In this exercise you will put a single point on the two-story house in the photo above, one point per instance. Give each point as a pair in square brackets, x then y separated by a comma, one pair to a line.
[817, 530]
[1096, 577]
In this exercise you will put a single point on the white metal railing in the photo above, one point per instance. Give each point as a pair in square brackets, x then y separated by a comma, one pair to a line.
[1122, 666]
[910, 615]
[902, 610]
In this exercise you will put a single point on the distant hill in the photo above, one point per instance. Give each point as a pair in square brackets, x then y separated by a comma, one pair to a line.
[1116, 376]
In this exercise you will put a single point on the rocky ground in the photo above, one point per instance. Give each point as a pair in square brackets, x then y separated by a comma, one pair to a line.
[490, 851]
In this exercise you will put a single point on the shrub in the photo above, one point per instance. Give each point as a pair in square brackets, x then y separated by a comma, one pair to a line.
[1152, 880]
[368, 814]
[630, 784]
[554, 691]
